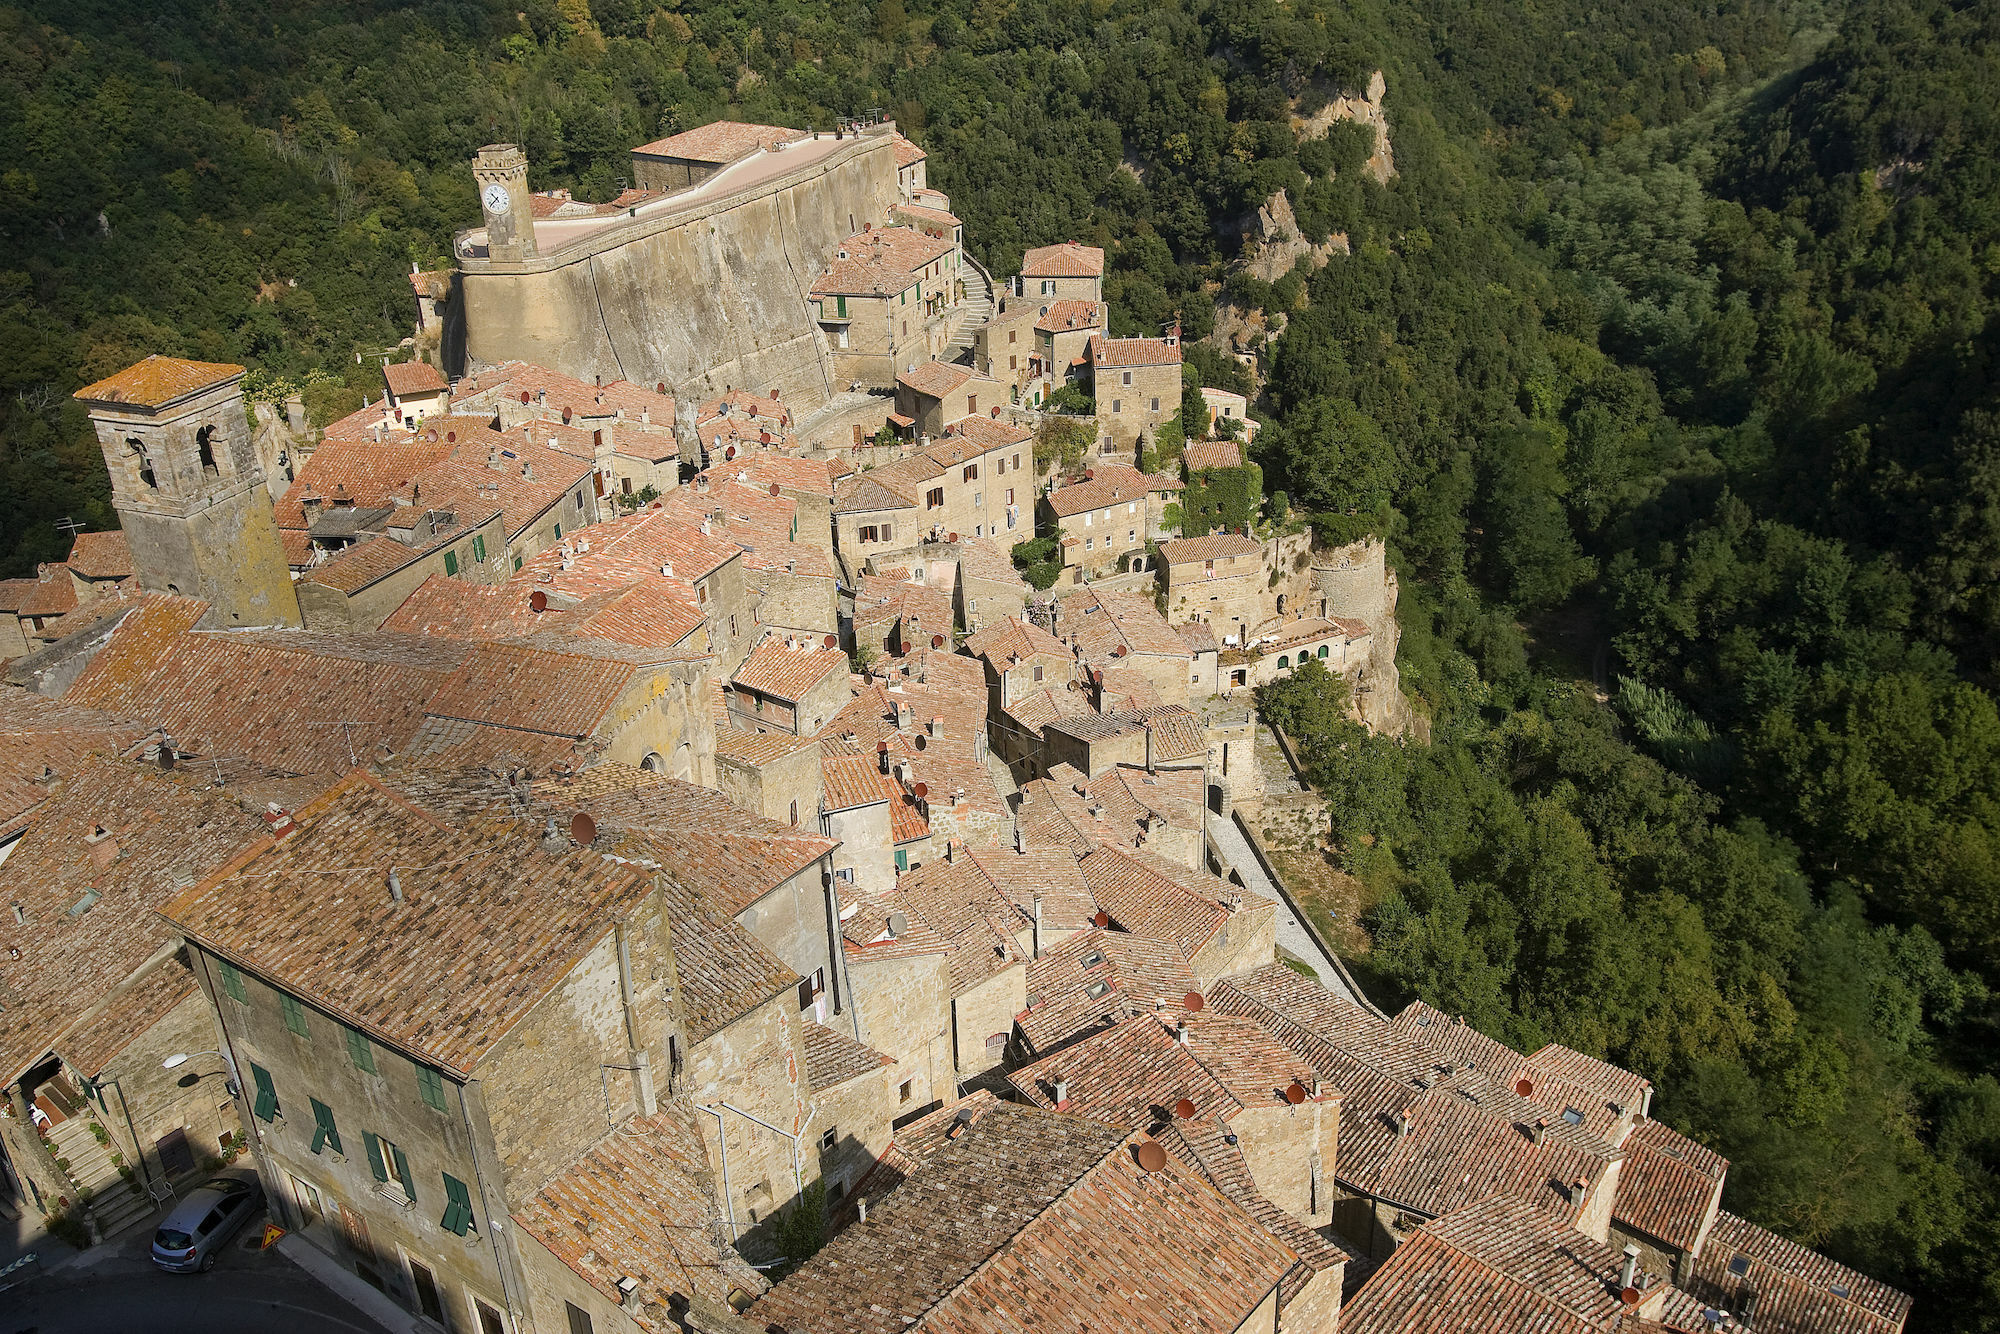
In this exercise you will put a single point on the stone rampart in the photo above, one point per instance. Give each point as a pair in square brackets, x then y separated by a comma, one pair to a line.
[705, 298]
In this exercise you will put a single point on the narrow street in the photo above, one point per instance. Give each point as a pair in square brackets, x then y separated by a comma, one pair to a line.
[1293, 938]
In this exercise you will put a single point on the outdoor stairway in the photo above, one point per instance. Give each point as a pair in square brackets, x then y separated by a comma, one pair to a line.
[978, 310]
[115, 1203]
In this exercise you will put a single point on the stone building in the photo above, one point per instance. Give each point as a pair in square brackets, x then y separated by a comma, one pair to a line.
[1107, 518]
[934, 395]
[687, 159]
[889, 299]
[1137, 385]
[970, 482]
[786, 685]
[189, 489]
[1064, 271]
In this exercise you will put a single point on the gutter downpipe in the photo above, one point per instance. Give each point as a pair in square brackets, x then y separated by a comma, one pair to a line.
[728, 1193]
[798, 1175]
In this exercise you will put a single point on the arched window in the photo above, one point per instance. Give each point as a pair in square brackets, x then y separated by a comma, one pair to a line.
[1322, 650]
[1284, 661]
[204, 440]
[653, 764]
[137, 452]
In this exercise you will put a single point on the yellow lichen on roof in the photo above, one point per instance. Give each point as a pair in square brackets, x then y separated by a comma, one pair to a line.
[157, 381]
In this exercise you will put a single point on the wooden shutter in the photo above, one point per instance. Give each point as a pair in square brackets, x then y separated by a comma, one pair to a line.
[375, 1163]
[265, 1107]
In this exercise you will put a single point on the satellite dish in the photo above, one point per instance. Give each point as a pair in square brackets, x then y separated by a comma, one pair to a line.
[921, 790]
[774, 488]
[937, 641]
[1193, 1002]
[1631, 1296]
[833, 641]
[1525, 1087]
[167, 756]
[538, 602]
[1295, 1093]
[729, 453]
[952, 537]
[1185, 1109]
[582, 829]
[1151, 1157]
[1102, 919]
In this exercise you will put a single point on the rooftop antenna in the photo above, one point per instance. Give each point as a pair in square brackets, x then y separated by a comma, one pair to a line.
[69, 525]
[347, 726]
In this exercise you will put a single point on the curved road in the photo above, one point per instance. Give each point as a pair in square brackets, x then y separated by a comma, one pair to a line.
[1293, 938]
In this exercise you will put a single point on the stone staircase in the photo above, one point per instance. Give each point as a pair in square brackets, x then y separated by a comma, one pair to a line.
[115, 1203]
[978, 310]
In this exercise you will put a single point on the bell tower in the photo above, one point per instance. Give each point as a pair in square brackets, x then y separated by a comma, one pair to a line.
[501, 173]
[189, 491]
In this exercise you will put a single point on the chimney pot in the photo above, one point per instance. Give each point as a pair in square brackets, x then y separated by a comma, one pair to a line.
[1629, 1270]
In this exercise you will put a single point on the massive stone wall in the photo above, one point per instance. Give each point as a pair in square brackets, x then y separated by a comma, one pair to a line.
[706, 298]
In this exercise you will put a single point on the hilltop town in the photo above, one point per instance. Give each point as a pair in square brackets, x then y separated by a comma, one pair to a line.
[729, 796]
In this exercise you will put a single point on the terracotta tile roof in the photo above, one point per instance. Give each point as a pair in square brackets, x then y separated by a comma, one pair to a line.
[758, 748]
[754, 406]
[524, 480]
[87, 902]
[1669, 1187]
[627, 547]
[489, 922]
[1065, 259]
[937, 217]
[373, 559]
[849, 782]
[126, 1014]
[1500, 1265]
[652, 611]
[1204, 1147]
[1143, 900]
[940, 685]
[1028, 1218]
[552, 391]
[832, 1057]
[959, 903]
[50, 593]
[639, 1203]
[1216, 547]
[1212, 454]
[907, 153]
[872, 930]
[981, 558]
[1098, 977]
[506, 685]
[925, 612]
[1612, 1085]
[1107, 484]
[868, 494]
[359, 470]
[1198, 637]
[413, 377]
[1047, 871]
[1063, 316]
[1799, 1291]
[250, 694]
[880, 263]
[1132, 1073]
[1469, 1134]
[1013, 639]
[62, 737]
[158, 381]
[935, 379]
[1117, 352]
[101, 555]
[1104, 623]
[765, 468]
[719, 141]
[786, 670]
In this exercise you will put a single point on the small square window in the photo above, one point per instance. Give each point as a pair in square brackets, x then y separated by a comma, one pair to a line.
[1097, 989]
[1573, 1116]
[829, 1138]
[1740, 1266]
[903, 1091]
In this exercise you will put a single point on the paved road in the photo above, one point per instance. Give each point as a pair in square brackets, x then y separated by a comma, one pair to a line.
[1293, 938]
[116, 1287]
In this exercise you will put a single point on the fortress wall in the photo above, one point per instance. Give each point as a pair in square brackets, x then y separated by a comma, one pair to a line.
[707, 299]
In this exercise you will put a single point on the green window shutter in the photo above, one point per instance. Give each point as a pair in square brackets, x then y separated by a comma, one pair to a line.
[325, 1133]
[517, 563]
[403, 1171]
[479, 548]
[360, 1052]
[266, 1105]
[559, 532]
[841, 303]
[375, 1163]
[431, 1085]
[458, 1207]
[902, 859]
[232, 982]
[451, 562]
[295, 1014]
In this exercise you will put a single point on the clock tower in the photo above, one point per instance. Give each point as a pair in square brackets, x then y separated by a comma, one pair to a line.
[501, 173]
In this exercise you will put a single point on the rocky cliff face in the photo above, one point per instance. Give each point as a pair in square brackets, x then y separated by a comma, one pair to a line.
[1365, 110]
[1355, 581]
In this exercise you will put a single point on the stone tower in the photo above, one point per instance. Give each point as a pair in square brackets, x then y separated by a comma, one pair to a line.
[189, 490]
[501, 173]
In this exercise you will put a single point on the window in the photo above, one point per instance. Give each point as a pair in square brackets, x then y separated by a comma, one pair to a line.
[479, 543]
[489, 1319]
[1322, 650]
[1126, 378]
[1740, 1266]
[1048, 286]
[1038, 673]
[829, 1138]
[137, 452]
[1087, 515]
[1097, 989]
[840, 306]
[971, 403]
[425, 1285]
[902, 859]
[1156, 405]
[232, 982]
[457, 1218]
[360, 1052]
[903, 1091]
[1117, 405]
[1013, 363]
[1090, 544]
[295, 1014]
[579, 494]
[579, 1319]
[1573, 1116]
[1012, 335]
[978, 497]
[1131, 534]
[1093, 958]
[867, 533]
[795, 815]
[1284, 661]
[886, 531]
[558, 532]
[382, 1155]
[517, 563]
[265, 1105]
[971, 473]
[1010, 495]
[451, 562]
[430, 1086]
[204, 440]
[935, 499]
[1131, 507]
[325, 1133]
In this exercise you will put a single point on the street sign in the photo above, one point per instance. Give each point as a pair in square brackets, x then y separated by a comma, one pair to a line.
[271, 1234]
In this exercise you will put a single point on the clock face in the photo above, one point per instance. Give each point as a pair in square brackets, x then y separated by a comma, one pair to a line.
[495, 198]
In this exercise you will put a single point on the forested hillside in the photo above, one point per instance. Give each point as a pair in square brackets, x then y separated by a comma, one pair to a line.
[1664, 362]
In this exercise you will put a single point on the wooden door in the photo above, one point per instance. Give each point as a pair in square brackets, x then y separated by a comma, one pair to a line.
[355, 1229]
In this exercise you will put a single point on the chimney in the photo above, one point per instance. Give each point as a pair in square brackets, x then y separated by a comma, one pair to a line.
[906, 717]
[1149, 748]
[861, 1209]
[1182, 1035]
[1038, 926]
[882, 756]
[1062, 1093]
[1402, 1124]
[1538, 1131]
[628, 1292]
[395, 886]
[951, 850]
[937, 727]
[1576, 1192]
[1020, 840]
[1628, 1271]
